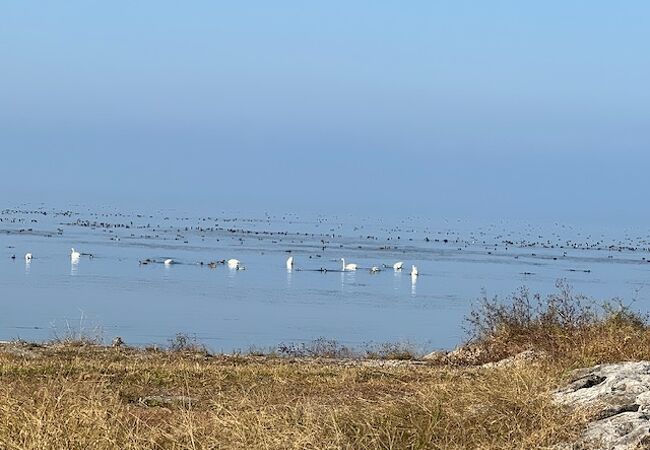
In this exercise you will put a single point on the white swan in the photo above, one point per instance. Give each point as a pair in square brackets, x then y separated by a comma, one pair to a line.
[374, 269]
[290, 263]
[349, 267]
[28, 257]
[234, 263]
[414, 271]
[169, 262]
[398, 265]
[74, 254]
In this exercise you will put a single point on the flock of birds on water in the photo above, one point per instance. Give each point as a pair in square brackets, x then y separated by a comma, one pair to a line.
[236, 264]
[326, 235]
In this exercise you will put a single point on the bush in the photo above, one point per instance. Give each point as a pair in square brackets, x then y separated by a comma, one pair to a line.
[399, 351]
[560, 324]
[185, 343]
[318, 348]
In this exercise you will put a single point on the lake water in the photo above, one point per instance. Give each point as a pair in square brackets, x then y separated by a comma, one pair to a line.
[113, 294]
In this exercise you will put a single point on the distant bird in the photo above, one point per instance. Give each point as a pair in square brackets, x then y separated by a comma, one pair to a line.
[169, 262]
[234, 263]
[374, 269]
[13, 256]
[28, 257]
[348, 267]
[290, 263]
[414, 271]
[74, 255]
[398, 265]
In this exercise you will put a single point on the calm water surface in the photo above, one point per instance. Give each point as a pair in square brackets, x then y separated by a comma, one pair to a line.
[265, 304]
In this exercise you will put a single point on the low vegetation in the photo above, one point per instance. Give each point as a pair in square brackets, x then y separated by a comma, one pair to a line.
[80, 395]
[568, 327]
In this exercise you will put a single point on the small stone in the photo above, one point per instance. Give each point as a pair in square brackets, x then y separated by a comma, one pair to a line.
[436, 356]
[166, 401]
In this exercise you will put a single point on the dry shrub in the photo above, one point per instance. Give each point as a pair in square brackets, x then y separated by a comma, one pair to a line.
[394, 351]
[318, 348]
[563, 324]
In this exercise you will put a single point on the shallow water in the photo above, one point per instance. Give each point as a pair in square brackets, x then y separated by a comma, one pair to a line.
[112, 294]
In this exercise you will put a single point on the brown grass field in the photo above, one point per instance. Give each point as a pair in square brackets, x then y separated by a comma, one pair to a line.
[78, 395]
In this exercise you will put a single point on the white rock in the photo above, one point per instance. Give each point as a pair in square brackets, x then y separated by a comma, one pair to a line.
[619, 397]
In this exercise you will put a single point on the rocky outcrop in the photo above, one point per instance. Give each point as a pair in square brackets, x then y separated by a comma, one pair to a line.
[471, 355]
[617, 397]
[466, 355]
[522, 358]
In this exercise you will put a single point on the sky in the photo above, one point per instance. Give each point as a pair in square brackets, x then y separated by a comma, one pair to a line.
[500, 109]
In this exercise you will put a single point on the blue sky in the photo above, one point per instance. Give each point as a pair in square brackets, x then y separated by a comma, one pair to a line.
[474, 109]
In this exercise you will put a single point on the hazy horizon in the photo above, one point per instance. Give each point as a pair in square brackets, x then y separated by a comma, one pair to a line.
[463, 110]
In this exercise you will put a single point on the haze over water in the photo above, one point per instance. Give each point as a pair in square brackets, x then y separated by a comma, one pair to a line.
[439, 118]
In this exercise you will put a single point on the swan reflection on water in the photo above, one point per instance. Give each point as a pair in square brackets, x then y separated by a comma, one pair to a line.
[397, 280]
[289, 277]
[414, 280]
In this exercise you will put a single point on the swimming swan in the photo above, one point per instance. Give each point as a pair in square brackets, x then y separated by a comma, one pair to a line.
[398, 265]
[348, 267]
[74, 254]
[28, 257]
[234, 263]
[290, 263]
[414, 271]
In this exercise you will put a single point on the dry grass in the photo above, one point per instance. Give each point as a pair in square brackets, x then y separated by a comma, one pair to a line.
[91, 397]
[569, 327]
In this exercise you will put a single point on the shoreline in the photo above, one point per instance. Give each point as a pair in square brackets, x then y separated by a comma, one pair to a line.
[536, 372]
